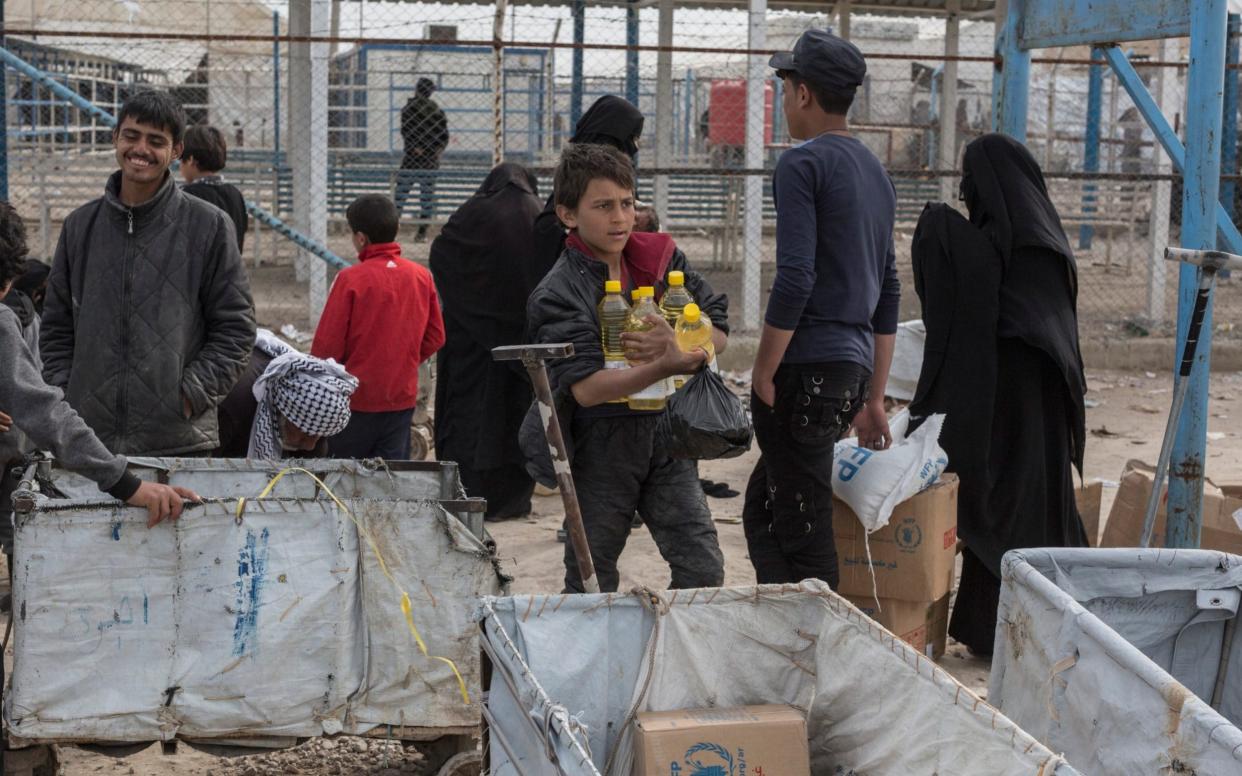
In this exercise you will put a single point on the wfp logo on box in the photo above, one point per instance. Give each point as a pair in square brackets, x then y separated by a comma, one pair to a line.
[708, 759]
[908, 535]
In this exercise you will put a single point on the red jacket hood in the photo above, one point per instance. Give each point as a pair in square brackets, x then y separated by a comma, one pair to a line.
[645, 259]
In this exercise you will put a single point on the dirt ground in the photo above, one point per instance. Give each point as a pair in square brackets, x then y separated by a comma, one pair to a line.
[1126, 421]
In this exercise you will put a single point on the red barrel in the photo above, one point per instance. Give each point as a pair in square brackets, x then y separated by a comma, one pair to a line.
[726, 120]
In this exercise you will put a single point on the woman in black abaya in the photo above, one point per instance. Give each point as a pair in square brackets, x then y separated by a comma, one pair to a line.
[480, 262]
[611, 121]
[999, 294]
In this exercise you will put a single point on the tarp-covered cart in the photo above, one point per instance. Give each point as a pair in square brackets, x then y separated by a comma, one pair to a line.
[299, 600]
[1126, 660]
[568, 674]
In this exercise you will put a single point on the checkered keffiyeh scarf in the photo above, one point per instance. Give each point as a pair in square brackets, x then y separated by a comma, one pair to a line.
[311, 393]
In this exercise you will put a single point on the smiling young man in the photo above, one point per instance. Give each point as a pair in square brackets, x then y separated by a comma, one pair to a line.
[618, 462]
[831, 320]
[148, 319]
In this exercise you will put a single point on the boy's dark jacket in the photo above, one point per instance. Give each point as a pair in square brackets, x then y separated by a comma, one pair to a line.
[562, 309]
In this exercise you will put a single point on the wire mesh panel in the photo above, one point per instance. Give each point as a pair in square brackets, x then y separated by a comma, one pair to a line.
[322, 101]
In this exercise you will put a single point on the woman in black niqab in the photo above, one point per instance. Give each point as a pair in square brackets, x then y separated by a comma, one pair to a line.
[610, 120]
[1002, 360]
[480, 264]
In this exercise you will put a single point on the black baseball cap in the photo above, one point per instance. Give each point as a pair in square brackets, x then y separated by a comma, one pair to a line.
[825, 60]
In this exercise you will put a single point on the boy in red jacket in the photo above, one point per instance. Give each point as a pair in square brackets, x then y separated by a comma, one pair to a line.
[381, 321]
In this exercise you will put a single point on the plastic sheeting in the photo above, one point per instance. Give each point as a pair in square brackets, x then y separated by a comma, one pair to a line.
[1117, 657]
[570, 671]
[280, 622]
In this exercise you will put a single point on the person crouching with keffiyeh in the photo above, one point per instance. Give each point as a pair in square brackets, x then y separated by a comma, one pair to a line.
[285, 404]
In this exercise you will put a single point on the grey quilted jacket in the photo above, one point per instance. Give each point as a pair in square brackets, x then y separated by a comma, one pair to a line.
[147, 307]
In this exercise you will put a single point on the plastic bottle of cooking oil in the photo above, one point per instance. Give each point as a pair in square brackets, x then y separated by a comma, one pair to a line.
[675, 298]
[614, 316]
[694, 331]
[654, 396]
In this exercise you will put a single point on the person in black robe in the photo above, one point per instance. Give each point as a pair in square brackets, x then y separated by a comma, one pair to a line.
[480, 262]
[999, 294]
[610, 121]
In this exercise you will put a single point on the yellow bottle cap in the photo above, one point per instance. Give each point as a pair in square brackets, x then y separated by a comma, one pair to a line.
[612, 286]
[646, 291]
[691, 313]
[676, 278]
[635, 294]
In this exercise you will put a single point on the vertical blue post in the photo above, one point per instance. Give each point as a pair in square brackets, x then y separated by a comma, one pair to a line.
[276, 96]
[1091, 150]
[1205, 87]
[575, 93]
[1011, 86]
[631, 52]
[1229, 115]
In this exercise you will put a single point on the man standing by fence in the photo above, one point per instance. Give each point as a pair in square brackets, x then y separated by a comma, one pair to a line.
[148, 319]
[424, 133]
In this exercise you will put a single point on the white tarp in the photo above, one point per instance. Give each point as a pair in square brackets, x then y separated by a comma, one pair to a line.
[1116, 657]
[282, 623]
[571, 670]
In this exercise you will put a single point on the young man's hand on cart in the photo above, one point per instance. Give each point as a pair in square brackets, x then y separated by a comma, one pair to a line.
[162, 502]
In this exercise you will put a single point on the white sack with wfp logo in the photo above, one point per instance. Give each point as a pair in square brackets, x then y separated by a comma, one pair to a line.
[874, 482]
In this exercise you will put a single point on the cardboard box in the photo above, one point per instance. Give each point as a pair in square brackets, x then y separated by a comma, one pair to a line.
[913, 556]
[1089, 499]
[924, 626]
[750, 740]
[1222, 513]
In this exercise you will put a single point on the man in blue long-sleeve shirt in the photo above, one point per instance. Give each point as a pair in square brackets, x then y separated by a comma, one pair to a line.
[831, 322]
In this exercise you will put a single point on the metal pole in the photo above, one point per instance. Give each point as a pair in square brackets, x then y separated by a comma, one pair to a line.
[1091, 149]
[4, 118]
[1014, 78]
[631, 53]
[752, 228]
[276, 107]
[1161, 194]
[948, 101]
[1201, 192]
[843, 20]
[664, 106]
[576, 88]
[550, 138]
[308, 109]
[498, 84]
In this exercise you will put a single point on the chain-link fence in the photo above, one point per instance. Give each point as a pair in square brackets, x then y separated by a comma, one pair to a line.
[312, 96]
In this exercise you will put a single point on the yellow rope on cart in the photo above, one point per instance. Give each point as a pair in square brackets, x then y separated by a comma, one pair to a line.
[406, 607]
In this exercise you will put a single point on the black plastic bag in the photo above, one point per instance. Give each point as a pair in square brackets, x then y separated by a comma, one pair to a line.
[705, 420]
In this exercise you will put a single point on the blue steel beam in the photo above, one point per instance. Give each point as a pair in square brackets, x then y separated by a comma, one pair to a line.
[70, 96]
[1052, 23]
[1200, 205]
[1011, 82]
[1147, 107]
[1091, 150]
